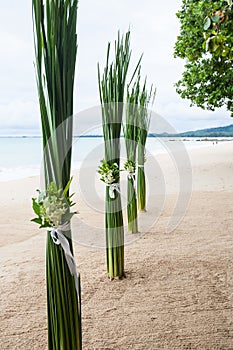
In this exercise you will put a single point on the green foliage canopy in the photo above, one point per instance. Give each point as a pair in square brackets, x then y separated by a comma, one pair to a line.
[206, 43]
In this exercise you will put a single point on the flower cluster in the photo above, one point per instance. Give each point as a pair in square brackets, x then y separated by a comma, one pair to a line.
[109, 172]
[52, 206]
[130, 166]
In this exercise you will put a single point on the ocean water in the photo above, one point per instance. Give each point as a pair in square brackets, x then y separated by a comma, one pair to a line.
[21, 156]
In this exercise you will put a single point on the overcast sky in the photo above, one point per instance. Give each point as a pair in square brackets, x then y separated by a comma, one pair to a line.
[154, 28]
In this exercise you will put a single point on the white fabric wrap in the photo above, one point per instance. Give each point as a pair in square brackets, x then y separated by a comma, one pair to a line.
[112, 188]
[59, 239]
[131, 176]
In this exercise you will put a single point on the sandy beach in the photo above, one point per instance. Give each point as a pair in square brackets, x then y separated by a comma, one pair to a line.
[178, 293]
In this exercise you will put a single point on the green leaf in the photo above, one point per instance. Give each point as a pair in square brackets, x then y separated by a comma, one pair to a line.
[35, 207]
[44, 225]
[225, 53]
[215, 46]
[215, 19]
[207, 23]
[67, 187]
[37, 221]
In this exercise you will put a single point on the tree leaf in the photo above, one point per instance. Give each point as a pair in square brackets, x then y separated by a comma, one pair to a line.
[215, 19]
[215, 46]
[207, 23]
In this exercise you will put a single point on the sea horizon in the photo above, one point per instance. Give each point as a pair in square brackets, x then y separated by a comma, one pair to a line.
[21, 156]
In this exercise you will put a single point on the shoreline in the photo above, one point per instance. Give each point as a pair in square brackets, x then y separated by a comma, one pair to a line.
[211, 171]
[8, 174]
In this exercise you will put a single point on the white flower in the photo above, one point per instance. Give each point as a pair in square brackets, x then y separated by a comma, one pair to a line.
[110, 178]
[131, 169]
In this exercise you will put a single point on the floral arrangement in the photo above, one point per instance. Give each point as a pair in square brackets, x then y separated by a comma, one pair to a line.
[52, 206]
[130, 166]
[110, 173]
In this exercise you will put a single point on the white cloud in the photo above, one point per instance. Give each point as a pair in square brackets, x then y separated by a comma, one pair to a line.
[19, 114]
[183, 117]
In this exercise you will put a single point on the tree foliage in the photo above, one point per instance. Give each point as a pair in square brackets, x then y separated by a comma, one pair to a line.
[206, 43]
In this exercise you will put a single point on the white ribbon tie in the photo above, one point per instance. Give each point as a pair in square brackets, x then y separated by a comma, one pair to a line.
[59, 239]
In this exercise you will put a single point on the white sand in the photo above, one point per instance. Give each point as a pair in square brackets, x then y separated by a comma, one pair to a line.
[178, 293]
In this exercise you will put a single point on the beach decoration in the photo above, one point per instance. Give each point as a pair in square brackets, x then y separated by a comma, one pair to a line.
[131, 142]
[146, 98]
[55, 42]
[110, 175]
[112, 89]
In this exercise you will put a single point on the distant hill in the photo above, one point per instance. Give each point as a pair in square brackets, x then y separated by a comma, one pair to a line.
[223, 131]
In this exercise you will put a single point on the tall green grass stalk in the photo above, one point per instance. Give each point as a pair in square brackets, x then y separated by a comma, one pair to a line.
[131, 141]
[146, 97]
[112, 89]
[55, 43]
